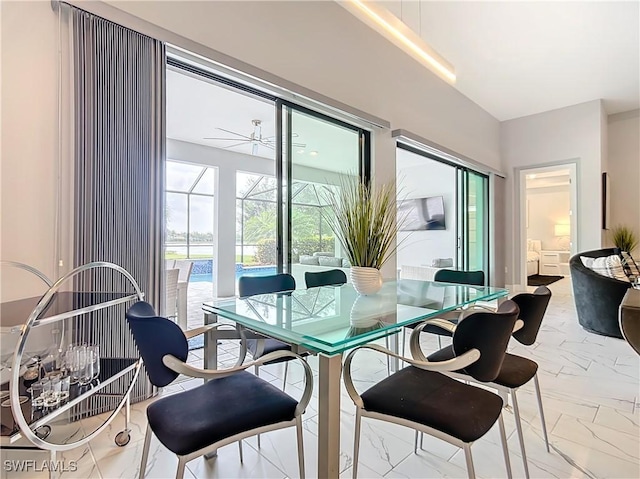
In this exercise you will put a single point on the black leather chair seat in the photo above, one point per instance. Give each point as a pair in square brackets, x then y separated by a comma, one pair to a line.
[221, 408]
[270, 345]
[435, 400]
[515, 371]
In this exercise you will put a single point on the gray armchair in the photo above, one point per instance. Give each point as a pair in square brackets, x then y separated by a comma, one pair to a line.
[597, 297]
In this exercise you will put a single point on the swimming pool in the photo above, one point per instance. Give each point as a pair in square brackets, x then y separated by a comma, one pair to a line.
[240, 271]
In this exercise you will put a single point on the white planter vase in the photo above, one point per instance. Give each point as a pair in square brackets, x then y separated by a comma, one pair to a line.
[366, 280]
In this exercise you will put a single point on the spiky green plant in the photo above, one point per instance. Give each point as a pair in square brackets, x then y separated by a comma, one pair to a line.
[363, 218]
[624, 238]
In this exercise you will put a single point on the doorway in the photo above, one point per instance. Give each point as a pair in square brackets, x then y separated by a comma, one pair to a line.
[548, 226]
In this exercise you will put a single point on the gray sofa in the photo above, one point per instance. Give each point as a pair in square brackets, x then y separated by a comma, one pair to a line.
[597, 297]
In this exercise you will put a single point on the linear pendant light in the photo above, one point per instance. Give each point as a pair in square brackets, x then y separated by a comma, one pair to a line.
[388, 25]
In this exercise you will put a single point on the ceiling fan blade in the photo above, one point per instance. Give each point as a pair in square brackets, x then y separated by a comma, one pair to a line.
[224, 139]
[234, 133]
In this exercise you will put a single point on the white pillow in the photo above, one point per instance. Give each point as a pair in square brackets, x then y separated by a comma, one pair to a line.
[306, 259]
[614, 265]
[608, 266]
[330, 261]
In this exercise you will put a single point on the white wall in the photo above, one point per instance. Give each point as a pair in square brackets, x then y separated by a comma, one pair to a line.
[427, 178]
[568, 134]
[624, 170]
[29, 145]
[318, 45]
[547, 207]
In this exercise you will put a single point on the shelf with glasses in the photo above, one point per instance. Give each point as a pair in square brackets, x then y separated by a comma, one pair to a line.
[52, 389]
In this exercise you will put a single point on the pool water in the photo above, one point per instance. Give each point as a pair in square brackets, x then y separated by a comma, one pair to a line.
[240, 271]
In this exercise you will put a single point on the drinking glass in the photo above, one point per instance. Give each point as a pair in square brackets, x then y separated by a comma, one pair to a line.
[53, 397]
[37, 400]
[87, 372]
[76, 359]
[93, 355]
[64, 388]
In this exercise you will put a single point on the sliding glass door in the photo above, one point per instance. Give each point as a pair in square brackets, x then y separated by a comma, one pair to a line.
[316, 151]
[434, 188]
[473, 220]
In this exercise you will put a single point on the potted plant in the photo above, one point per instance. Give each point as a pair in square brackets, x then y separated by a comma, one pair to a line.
[624, 238]
[363, 218]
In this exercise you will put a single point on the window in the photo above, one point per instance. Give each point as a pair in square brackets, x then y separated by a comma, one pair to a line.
[189, 211]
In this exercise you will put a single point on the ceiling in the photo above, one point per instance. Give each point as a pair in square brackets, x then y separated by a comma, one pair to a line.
[198, 109]
[546, 179]
[516, 59]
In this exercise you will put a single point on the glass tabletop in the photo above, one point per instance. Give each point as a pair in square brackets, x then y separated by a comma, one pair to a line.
[332, 319]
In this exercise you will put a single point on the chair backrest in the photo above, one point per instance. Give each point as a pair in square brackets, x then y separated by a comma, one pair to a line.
[169, 263]
[489, 333]
[325, 278]
[171, 291]
[532, 308]
[475, 278]
[184, 266]
[250, 285]
[156, 337]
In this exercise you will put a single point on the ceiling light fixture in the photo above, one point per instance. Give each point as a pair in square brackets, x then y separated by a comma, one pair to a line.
[313, 153]
[300, 151]
[397, 32]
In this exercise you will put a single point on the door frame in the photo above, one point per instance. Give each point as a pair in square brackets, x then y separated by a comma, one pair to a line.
[574, 216]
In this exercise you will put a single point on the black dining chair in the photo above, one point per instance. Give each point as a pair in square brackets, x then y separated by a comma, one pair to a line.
[515, 371]
[474, 278]
[276, 283]
[330, 277]
[230, 406]
[421, 397]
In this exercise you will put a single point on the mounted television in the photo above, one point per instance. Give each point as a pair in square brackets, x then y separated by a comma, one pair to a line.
[423, 214]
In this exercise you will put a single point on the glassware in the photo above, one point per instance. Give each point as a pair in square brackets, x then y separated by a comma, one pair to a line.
[53, 395]
[89, 361]
[37, 398]
[33, 370]
[76, 359]
[93, 354]
[64, 388]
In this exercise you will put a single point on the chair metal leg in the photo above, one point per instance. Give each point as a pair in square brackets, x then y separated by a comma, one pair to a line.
[421, 440]
[259, 445]
[284, 379]
[240, 451]
[180, 471]
[439, 342]
[300, 447]
[415, 443]
[544, 423]
[145, 452]
[356, 444]
[505, 449]
[256, 369]
[467, 455]
[516, 412]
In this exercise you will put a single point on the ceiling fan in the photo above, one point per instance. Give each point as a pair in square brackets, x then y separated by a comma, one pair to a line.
[255, 138]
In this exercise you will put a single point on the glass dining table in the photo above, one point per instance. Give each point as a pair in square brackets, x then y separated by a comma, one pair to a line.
[330, 320]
